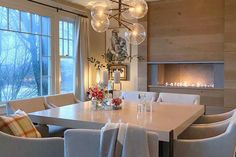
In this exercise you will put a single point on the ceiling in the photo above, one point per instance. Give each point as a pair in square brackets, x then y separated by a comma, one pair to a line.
[87, 2]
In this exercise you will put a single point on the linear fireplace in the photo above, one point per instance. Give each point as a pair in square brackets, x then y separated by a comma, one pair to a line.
[187, 75]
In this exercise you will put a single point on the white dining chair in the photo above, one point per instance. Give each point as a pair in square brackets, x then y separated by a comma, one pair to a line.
[174, 98]
[212, 119]
[85, 143]
[60, 100]
[34, 105]
[11, 146]
[217, 140]
[135, 95]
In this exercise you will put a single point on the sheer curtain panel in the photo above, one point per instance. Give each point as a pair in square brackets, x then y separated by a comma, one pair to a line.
[81, 55]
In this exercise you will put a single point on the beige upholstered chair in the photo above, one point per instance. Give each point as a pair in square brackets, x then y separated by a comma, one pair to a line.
[11, 146]
[217, 140]
[134, 95]
[212, 119]
[34, 105]
[27, 105]
[187, 99]
[60, 100]
[85, 143]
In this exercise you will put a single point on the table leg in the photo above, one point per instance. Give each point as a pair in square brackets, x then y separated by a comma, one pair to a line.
[171, 144]
[161, 149]
[166, 149]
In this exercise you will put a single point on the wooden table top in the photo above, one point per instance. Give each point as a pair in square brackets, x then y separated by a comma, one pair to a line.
[164, 119]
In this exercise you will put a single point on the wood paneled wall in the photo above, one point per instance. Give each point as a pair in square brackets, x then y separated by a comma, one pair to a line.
[142, 66]
[186, 30]
[230, 53]
[195, 30]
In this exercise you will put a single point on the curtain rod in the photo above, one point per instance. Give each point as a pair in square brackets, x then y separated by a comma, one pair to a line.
[58, 9]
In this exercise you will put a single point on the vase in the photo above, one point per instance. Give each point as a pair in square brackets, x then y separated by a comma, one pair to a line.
[96, 104]
[116, 107]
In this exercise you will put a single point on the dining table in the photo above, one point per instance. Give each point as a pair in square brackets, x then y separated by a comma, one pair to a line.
[168, 120]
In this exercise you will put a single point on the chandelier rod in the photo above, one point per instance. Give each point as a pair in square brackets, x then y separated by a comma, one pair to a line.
[121, 23]
[123, 9]
[119, 16]
[120, 3]
[113, 15]
[127, 22]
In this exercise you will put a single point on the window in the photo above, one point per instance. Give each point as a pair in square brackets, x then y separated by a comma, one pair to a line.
[25, 50]
[66, 35]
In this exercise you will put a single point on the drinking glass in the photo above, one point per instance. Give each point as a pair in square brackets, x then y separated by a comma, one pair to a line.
[149, 105]
[141, 107]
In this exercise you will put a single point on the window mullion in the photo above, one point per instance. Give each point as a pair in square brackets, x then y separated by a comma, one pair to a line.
[41, 66]
[31, 26]
[20, 21]
[8, 23]
[68, 53]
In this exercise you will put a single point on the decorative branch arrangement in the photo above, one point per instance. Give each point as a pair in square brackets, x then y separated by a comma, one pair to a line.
[112, 59]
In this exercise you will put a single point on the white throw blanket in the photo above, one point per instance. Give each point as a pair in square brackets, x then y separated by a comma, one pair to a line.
[123, 140]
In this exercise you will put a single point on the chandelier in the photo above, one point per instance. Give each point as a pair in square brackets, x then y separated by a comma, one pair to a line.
[124, 12]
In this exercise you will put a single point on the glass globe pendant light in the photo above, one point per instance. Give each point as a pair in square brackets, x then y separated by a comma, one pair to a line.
[100, 11]
[136, 35]
[100, 25]
[126, 14]
[138, 9]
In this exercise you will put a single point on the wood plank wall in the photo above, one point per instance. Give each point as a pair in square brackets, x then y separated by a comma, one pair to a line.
[230, 54]
[142, 66]
[195, 30]
[186, 30]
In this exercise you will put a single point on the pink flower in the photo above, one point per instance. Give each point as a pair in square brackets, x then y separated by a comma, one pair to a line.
[116, 101]
[96, 93]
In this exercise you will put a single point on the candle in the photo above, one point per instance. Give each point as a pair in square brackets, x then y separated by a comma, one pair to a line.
[98, 76]
[105, 77]
[116, 76]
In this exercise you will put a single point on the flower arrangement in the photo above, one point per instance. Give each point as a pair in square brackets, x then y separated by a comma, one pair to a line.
[96, 93]
[116, 102]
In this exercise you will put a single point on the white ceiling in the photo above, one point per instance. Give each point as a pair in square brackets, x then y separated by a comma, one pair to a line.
[86, 2]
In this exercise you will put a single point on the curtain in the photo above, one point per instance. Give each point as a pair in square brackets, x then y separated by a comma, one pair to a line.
[81, 55]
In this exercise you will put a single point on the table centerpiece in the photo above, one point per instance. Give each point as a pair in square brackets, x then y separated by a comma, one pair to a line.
[96, 94]
[116, 103]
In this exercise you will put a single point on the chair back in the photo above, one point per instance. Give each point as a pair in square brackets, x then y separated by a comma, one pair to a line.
[229, 140]
[78, 143]
[60, 100]
[11, 146]
[135, 95]
[218, 140]
[187, 99]
[27, 105]
[213, 119]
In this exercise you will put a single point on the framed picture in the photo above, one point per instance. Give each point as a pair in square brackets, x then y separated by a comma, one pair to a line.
[122, 69]
[117, 48]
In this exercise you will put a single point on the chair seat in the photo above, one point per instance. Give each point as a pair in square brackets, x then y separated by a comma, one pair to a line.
[56, 131]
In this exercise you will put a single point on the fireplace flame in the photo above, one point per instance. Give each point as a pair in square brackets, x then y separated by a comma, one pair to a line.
[186, 84]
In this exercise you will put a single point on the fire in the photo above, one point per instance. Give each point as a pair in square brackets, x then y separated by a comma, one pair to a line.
[186, 84]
